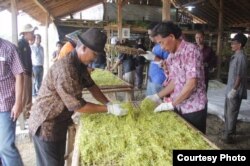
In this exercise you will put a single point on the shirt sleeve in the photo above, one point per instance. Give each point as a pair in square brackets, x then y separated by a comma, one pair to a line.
[15, 62]
[193, 63]
[241, 67]
[68, 87]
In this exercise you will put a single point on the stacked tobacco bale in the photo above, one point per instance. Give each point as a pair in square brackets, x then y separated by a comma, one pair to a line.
[140, 138]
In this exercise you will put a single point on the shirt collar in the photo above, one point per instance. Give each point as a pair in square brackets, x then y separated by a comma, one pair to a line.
[179, 49]
[237, 53]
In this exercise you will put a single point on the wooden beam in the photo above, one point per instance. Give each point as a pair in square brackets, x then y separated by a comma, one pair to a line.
[4, 3]
[72, 7]
[166, 4]
[119, 30]
[56, 3]
[241, 25]
[80, 23]
[119, 19]
[214, 4]
[231, 17]
[38, 3]
[193, 3]
[219, 39]
[210, 16]
[14, 22]
[47, 43]
[27, 5]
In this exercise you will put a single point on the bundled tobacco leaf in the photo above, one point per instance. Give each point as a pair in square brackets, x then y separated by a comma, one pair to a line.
[140, 138]
[124, 49]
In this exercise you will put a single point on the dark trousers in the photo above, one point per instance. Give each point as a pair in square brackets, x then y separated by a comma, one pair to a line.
[231, 111]
[197, 119]
[49, 153]
[38, 77]
[139, 75]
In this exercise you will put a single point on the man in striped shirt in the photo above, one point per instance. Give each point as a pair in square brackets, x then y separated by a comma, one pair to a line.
[11, 88]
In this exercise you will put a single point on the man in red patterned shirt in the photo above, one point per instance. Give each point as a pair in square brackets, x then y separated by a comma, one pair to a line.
[11, 88]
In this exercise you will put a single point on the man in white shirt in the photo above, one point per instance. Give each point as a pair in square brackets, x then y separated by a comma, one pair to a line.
[37, 57]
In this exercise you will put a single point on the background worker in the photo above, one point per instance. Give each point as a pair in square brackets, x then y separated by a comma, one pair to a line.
[209, 57]
[27, 33]
[156, 75]
[236, 88]
[37, 57]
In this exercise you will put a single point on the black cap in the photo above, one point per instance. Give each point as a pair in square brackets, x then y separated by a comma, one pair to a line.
[94, 39]
[240, 38]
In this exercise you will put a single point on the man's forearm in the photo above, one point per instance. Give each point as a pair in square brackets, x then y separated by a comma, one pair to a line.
[167, 90]
[92, 108]
[186, 91]
[19, 88]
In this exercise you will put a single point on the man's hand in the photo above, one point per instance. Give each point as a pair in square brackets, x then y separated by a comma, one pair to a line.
[149, 56]
[154, 98]
[232, 94]
[164, 107]
[116, 109]
[158, 63]
[16, 111]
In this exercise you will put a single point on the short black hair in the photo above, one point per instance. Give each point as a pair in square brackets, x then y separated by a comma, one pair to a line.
[38, 35]
[166, 28]
[241, 38]
[200, 32]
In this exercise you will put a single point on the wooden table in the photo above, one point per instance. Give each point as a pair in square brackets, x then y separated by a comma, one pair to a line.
[76, 152]
[112, 90]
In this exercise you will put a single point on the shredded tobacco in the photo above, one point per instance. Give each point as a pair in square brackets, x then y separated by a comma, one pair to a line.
[140, 138]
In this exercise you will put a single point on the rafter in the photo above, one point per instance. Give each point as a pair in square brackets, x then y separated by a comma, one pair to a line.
[70, 7]
[4, 3]
[38, 3]
[193, 3]
[214, 4]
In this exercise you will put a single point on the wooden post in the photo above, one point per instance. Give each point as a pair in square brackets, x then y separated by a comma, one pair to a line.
[119, 30]
[14, 22]
[219, 39]
[166, 4]
[70, 144]
[46, 56]
[119, 19]
[21, 118]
